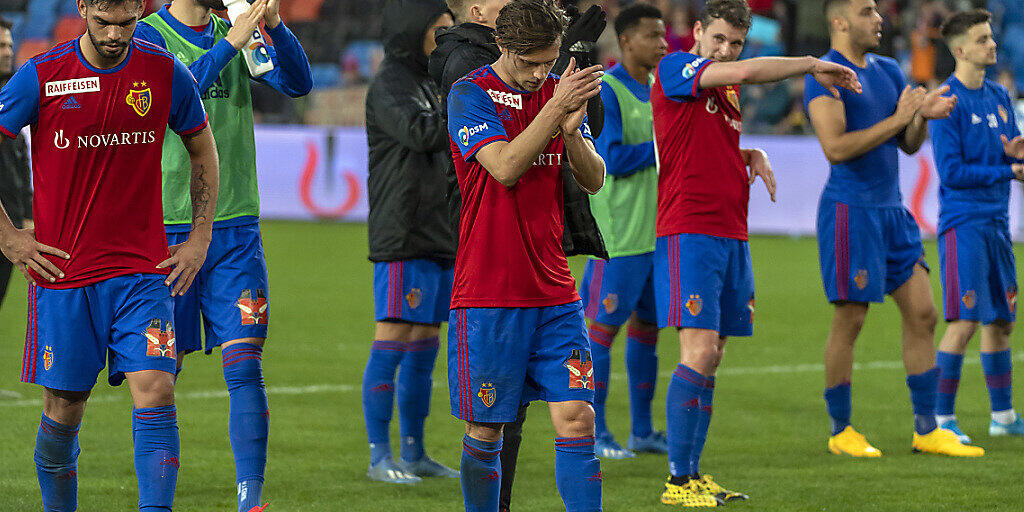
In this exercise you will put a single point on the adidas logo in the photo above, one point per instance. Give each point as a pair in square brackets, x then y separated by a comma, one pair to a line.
[70, 103]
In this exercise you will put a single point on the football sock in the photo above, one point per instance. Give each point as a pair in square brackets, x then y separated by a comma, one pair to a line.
[704, 421]
[155, 432]
[249, 419]
[56, 457]
[998, 367]
[379, 395]
[481, 474]
[922, 395]
[600, 347]
[839, 404]
[512, 435]
[682, 416]
[949, 365]
[578, 474]
[415, 381]
[642, 374]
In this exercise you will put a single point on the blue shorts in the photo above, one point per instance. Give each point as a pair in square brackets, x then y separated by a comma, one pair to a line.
[979, 276]
[229, 298]
[705, 282]
[412, 291]
[72, 334]
[612, 290]
[866, 252]
[499, 358]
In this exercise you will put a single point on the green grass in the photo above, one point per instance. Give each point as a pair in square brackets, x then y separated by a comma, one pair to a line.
[767, 438]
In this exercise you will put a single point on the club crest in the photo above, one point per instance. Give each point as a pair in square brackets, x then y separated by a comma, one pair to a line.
[140, 99]
[695, 305]
[486, 394]
[1011, 300]
[611, 303]
[253, 305]
[48, 358]
[414, 298]
[861, 280]
[160, 340]
[750, 307]
[733, 97]
[1004, 114]
[969, 299]
[581, 370]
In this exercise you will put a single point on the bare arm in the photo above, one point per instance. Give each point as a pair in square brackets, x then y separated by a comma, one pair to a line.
[587, 165]
[933, 106]
[772, 69]
[828, 116]
[22, 249]
[914, 135]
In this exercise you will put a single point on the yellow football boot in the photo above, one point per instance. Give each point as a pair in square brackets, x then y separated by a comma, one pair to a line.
[689, 495]
[850, 442]
[944, 442]
[709, 486]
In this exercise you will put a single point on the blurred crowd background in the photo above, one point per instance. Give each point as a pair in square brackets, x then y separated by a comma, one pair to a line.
[342, 40]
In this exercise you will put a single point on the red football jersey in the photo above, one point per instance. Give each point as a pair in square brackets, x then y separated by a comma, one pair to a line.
[702, 179]
[510, 239]
[97, 139]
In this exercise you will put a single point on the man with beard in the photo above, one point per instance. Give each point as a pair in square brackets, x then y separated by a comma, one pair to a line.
[230, 299]
[869, 244]
[99, 107]
[15, 192]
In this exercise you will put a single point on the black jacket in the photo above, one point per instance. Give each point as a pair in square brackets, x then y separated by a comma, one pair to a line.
[408, 140]
[466, 47]
[15, 189]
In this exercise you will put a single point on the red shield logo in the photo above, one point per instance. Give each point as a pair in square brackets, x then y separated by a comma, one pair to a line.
[695, 305]
[48, 358]
[160, 341]
[1011, 300]
[861, 280]
[969, 299]
[140, 99]
[581, 370]
[611, 303]
[253, 305]
[486, 394]
[414, 298]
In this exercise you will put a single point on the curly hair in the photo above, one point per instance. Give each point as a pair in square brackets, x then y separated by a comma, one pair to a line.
[525, 26]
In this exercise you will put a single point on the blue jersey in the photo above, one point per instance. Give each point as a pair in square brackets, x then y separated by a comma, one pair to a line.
[870, 179]
[974, 171]
[622, 159]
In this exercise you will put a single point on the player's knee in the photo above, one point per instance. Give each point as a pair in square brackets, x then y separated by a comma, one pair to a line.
[961, 331]
[152, 389]
[393, 331]
[924, 318]
[489, 432]
[575, 419]
[850, 317]
[65, 407]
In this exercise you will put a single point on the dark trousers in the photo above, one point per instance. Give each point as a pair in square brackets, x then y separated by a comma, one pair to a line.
[6, 267]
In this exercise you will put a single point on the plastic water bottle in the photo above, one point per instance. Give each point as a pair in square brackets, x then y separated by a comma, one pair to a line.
[255, 51]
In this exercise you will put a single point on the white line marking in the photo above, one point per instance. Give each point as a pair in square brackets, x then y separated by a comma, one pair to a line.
[9, 394]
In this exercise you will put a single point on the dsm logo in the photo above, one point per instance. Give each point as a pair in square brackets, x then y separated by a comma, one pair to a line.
[466, 132]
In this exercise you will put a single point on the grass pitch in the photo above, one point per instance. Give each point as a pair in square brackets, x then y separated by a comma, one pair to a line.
[767, 437]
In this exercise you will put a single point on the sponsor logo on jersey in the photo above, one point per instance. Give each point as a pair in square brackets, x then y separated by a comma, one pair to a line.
[1003, 114]
[695, 305]
[993, 122]
[861, 279]
[140, 99]
[60, 141]
[581, 369]
[975, 119]
[611, 303]
[414, 298]
[48, 358]
[506, 98]
[73, 86]
[216, 91]
[969, 299]
[486, 394]
[691, 68]
[466, 132]
[548, 159]
[1011, 300]
[70, 104]
[253, 305]
[160, 340]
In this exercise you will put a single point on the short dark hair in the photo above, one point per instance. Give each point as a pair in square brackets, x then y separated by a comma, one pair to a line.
[630, 17]
[106, 4]
[827, 6]
[734, 12]
[959, 23]
[525, 26]
[5, 24]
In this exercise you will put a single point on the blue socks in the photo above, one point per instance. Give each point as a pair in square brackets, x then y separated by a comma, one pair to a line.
[379, 395]
[415, 383]
[839, 403]
[703, 423]
[578, 474]
[56, 459]
[682, 414]
[642, 374]
[249, 419]
[481, 474]
[155, 433]
[949, 365]
[998, 367]
[600, 344]
[923, 389]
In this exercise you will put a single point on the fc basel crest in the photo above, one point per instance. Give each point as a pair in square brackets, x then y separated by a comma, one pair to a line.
[414, 298]
[1011, 299]
[969, 299]
[160, 341]
[695, 305]
[611, 303]
[48, 358]
[140, 99]
[733, 97]
[253, 305]
[581, 370]
[861, 280]
[486, 394]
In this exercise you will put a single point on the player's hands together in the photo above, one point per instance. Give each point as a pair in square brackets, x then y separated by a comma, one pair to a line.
[25, 252]
[572, 121]
[1013, 148]
[240, 33]
[909, 104]
[1018, 171]
[187, 259]
[937, 106]
[832, 75]
[760, 166]
[273, 14]
[576, 87]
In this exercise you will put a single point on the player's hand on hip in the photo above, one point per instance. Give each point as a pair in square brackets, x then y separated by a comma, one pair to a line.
[26, 253]
[832, 75]
[1013, 148]
[760, 166]
[273, 14]
[937, 106]
[186, 260]
[909, 104]
[246, 24]
[577, 86]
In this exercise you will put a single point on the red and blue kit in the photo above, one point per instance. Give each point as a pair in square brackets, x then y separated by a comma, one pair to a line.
[98, 136]
[516, 316]
[706, 277]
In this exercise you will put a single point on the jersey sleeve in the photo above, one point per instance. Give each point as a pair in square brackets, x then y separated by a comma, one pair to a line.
[291, 74]
[19, 100]
[188, 115]
[954, 171]
[472, 120]
[147, 33]
[814, 90]
[679, 74]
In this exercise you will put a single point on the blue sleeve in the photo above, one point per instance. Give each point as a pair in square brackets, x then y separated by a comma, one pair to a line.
[472, 120]
[147, 33]
[188, 115]
[948, 149]
[620, 159]
[291, 74]
[207, 69]
[813, 90]
[19, 100]
[679, 74]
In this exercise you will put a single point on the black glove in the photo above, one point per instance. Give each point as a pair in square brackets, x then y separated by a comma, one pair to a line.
[581, 36]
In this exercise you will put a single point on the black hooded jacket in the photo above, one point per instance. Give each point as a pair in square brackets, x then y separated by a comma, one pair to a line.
[15, 189]
[408, 139]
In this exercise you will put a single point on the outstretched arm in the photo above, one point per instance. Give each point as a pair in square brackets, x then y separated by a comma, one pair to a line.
[772, 69]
